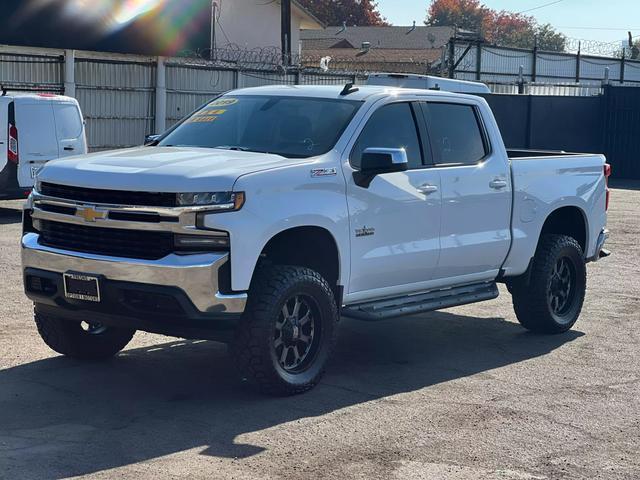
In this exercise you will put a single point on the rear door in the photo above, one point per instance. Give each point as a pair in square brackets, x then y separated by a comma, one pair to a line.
[69, 129]
[37, 137]
[476, 193]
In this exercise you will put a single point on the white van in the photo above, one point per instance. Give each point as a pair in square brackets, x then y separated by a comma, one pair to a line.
[34, 129]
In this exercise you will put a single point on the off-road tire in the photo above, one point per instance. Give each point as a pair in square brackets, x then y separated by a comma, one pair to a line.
[531, 299]
[68, 337]
[253, 347]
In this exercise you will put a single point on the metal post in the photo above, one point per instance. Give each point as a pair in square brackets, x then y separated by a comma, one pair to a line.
[606, 76]
[521, 80]
[161, 97]
[212, 45]
[534, 69]
[479, 60]
[452, 59]
[286, 32]
[70, 73]
[578, 60]
[622, 64]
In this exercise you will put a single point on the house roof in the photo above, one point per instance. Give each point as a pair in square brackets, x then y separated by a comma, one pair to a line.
[400, 38]
[399, 60]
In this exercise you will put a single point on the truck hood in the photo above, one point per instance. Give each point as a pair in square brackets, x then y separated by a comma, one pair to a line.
[160, 169]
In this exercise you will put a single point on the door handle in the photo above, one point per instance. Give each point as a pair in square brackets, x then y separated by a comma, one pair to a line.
[498, 184]
[69, 149]
[427, 189]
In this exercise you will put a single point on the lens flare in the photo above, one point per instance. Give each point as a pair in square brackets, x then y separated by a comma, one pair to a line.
[132, 9]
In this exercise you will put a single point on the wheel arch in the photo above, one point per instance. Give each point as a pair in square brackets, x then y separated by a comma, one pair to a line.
[568, 220]
[308, 246]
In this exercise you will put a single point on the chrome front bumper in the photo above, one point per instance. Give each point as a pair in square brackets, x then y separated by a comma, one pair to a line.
[196, 275]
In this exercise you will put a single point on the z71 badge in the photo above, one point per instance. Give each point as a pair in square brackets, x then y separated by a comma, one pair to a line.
[323, 172]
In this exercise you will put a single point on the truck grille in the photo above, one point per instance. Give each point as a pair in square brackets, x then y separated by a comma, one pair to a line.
[113, 197]
[106, 241]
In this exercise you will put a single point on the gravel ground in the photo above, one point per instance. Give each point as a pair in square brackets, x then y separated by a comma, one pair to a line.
[465, 393]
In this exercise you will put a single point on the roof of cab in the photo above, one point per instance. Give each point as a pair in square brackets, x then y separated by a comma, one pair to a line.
[363, 93]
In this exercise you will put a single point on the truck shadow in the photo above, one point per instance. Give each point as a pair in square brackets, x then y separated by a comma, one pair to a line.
[61, 418]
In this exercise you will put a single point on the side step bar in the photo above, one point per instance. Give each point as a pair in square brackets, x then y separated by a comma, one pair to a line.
[421, 302]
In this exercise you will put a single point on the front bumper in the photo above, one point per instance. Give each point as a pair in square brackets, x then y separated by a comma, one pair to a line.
[196, 277]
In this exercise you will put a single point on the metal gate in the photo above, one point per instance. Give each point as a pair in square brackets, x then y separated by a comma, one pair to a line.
[622, 130]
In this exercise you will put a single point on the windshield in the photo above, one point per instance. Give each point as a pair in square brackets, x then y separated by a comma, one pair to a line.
[293, 127]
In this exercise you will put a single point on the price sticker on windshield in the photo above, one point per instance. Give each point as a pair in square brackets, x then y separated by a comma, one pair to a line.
[224, 102]
[206, 115]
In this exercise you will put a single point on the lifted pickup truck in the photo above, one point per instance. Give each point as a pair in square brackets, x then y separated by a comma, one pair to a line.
[270, 212]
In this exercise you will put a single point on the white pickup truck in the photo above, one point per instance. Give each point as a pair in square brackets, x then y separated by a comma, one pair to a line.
[271, 212]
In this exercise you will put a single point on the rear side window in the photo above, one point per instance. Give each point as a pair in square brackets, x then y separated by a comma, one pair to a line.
[392, 126]
[68, 122]
[456, 134]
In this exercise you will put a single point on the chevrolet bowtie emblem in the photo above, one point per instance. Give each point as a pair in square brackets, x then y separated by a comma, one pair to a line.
[90, 214]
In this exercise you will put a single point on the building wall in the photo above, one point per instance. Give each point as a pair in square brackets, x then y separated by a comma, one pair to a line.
[254, 24]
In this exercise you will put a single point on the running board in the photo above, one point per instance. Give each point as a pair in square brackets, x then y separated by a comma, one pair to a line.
[421, 302]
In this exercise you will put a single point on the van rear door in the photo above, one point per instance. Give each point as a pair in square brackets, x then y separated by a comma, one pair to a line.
[69, 129]
[37, 137]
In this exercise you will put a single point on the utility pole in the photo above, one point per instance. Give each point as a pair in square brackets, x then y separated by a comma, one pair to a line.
[286, 32]
[212, 45]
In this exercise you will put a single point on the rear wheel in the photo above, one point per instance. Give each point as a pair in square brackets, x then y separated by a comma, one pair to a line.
[288, 330]
[552, 299]
[82, 340]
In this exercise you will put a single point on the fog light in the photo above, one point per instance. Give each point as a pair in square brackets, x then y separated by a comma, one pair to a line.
[202, 242]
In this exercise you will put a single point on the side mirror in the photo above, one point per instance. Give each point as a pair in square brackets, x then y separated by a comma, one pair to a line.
[149, 139]
[376, 161]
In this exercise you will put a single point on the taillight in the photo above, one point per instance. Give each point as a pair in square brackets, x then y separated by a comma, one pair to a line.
[12, 153]
[607, 174]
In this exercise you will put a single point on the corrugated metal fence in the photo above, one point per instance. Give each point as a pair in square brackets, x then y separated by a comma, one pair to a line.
[120, 95]
[504, 68]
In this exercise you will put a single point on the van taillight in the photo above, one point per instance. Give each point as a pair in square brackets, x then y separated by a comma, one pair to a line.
[12, 153]
[607, 174]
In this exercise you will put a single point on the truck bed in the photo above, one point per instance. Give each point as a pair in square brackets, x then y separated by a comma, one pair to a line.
[516, 153]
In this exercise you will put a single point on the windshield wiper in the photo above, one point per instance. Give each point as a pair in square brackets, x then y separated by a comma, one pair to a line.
[234, 148]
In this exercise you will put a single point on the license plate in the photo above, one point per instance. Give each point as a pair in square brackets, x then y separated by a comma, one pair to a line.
[81, 287]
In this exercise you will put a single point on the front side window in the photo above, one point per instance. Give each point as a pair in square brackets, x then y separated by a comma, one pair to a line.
[455, 133]
[391, 126]
[293, 127]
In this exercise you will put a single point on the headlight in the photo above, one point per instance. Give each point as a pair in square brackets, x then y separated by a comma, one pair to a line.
[218, 201]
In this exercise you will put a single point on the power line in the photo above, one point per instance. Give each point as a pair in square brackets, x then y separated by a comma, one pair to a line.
[541, 6]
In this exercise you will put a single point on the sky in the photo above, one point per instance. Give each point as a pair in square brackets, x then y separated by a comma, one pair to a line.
[584, 19]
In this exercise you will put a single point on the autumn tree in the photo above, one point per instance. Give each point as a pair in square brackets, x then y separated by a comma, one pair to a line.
[502, 28]
[353, 12]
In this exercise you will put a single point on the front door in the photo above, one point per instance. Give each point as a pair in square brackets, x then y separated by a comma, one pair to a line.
[395, 222]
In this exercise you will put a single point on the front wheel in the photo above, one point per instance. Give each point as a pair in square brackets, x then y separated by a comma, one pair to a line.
[288, 330]
[552, 300]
